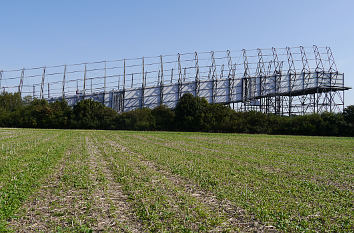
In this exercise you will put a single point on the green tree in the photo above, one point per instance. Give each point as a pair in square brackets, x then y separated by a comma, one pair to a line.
[35, 114]
[190, 112]
[139, 119]
[10, 101]
[348, 116]
[217, 118]
[89, 114]
[164, 118]
[61, 114]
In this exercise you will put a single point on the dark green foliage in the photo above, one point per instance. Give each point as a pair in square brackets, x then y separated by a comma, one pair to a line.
[191, 114]
[62, 114]
[217, 118]
[139, 119]
[89, 114]
[10, 102]
[348, 117]
[348, 114]
[37, 114]
[164, 118]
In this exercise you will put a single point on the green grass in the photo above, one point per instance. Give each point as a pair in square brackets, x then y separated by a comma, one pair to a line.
[293, 183]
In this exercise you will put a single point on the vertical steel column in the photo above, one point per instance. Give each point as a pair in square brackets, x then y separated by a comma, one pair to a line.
[246, 81]
[158, 77]
[124, 75]
[132, 81]
[63, 84]
[319, 76]
[260, 72]
[104, 83]
[48, 91]
[306, 76]
[184, 74]
[333, 72]
[332, 63]
[213, 77]
[171, 75]
[122, 96]
[42, 83]
[319, 64]
[179, 76]
[291, 77]
[277, 81]
[196, 80]
[161, 68]
[84, 91]
[233, 77]
[230, 75]
[21, 82]
[222, 71]
[144, 80]
[162, 82]
[77, 87]
[142, 84]
[269, 75]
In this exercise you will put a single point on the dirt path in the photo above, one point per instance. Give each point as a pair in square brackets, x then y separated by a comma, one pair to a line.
[37, 213]
[235, 216]
[62, 202]
[80, 196]
[112, 210]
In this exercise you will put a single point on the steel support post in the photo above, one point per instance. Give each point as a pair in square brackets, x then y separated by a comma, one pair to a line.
[42, 84]
[213, 77]
[21, 82]
[84, 91]
[142, 84]
[196, 80]
[180, 84]
[161, 82]
[63, 83]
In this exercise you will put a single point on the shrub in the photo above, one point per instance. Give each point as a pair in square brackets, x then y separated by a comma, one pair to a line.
[139, 119]
[190, 112]
[89, 114]
[164, 118]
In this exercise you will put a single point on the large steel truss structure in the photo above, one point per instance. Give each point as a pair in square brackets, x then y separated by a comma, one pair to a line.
[283, 81]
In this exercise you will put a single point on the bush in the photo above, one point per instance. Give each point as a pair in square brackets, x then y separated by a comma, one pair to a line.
[191, 114]
[139, 119]
[217, 118]
[164, 118]
[89, 114]
[62, 114]
[10, 102]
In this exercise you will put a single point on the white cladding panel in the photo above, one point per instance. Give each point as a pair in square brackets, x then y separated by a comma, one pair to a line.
[219, 91]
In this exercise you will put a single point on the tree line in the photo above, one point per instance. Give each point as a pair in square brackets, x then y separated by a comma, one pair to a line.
[190, 114]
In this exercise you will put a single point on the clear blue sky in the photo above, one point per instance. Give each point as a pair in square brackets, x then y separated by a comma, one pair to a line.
[39, 32]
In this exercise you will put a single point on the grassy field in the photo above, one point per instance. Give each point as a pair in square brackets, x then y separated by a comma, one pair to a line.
[89, 181]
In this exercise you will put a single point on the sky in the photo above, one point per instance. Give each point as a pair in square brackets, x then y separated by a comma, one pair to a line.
[39, 32]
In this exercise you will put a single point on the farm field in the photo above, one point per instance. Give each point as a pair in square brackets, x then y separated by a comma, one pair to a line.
[126, 181]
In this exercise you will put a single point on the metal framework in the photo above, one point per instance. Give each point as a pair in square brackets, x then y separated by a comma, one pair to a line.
[282, 81]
